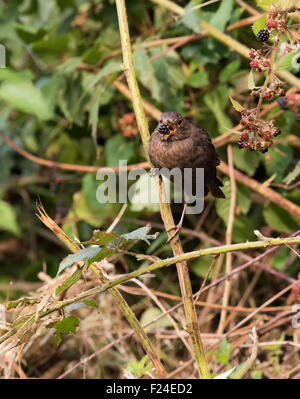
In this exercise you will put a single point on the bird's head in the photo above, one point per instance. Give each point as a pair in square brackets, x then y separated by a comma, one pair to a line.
[173, 126]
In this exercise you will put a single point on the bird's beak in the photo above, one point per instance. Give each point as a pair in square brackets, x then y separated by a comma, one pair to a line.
[172, 130]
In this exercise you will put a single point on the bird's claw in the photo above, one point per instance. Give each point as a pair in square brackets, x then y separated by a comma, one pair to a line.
[177, 228]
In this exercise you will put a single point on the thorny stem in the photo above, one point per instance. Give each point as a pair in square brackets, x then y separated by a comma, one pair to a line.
[182, 269]
[270, 74]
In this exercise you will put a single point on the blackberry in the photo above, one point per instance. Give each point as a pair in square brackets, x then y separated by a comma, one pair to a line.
[282, 102]
[277, 133]
[163, 128]
[264, 150]
[298, 118]
[263, 35]
[240, 144]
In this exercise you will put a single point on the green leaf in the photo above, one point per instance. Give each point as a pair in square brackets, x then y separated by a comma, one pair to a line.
[214, 101]
[84, 304]
[22, 301]
[292, 175]
[280, 258]
[259, 24]
[139, 234]
[118, 148]
[29, 33]
[8, 220]
[280, 220]
[145, 71]
[82, 255]
[191, 19]
[198, 79]
[25, 97]
[66, 326]
[243, 198]
[237, 106]
[100, 238]
[286, 61]
[251, 83]
[229, 70]
[246, 161]
[151, 314]
[222, 15]
[278, 161]
[104, 253]
[69, 281]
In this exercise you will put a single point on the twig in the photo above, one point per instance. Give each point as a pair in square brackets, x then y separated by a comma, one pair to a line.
[228, 238]
[252, 357]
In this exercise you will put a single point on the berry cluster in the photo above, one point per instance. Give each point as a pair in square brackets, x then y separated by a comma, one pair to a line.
[291, 102]
[276, 19]
[126, 124]
[259, 63]
[257, 134]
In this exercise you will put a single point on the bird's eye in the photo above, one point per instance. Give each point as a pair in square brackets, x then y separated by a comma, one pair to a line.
[179, 122]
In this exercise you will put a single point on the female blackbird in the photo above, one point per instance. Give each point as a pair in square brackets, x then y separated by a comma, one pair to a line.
[178, 143]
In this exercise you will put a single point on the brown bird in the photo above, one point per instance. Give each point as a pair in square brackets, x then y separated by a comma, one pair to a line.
[178, 143]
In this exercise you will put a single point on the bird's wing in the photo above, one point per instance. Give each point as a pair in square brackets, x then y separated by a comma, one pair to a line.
[204, 148]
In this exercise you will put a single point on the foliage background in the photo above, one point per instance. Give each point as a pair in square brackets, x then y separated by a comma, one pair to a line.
[58, 101]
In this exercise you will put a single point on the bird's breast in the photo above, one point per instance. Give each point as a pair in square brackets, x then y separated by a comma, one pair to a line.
[170, 154]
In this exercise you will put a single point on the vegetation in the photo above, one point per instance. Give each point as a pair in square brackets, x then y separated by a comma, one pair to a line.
[89, 289]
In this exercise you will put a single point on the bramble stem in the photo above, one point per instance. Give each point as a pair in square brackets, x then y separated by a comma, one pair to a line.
[182, 269]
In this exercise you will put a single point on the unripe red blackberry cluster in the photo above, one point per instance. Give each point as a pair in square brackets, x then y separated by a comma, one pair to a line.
[276, 19]
[259, 63]
[257, 134]
[127, 125]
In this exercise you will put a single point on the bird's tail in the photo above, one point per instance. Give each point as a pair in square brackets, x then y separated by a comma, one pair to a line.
[214, 188]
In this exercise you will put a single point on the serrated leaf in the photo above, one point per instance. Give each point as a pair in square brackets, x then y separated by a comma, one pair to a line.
[25, 97]
[66, 326]
[79, 305]
[191, 18]
[228, 71]
[214, 100]
[22, 301]
[8, 220]
[280, 220]
[246, 161]
[251, 83]
[222, 15]
[139, 234]
[145, 71]
[286, 61]
[243, 198]
[151, 314]
[259, 24]
[237, 106]
[292, 175]
[104, 253]
[69, 282]
[278, 161]
[100, 237]
[118, 148]
[82, 255]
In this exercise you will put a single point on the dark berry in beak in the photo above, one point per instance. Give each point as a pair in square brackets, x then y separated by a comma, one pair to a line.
[240, 144]
[163, 128]
[277, 133]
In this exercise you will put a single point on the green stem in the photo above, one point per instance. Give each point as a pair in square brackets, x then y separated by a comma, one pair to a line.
[182, 269]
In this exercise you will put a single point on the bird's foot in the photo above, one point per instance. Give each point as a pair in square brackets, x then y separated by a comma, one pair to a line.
[154, 172]
[177, 228]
